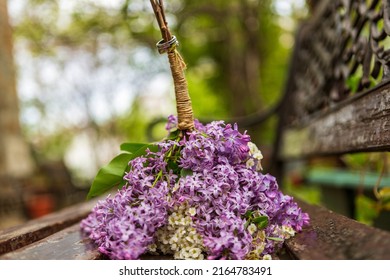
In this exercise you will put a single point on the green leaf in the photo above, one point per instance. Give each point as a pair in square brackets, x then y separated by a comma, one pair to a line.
[174, 134]
[141, 151]
[248, 214]
[174, 166]
[112, 174]
[186, 172]
[366, 209]
[132, 147]
[384, 195]
[261, 222]
[276, 239]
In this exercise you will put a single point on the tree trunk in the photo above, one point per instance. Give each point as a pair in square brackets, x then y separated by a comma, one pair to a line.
[15, 158]
[243, 57]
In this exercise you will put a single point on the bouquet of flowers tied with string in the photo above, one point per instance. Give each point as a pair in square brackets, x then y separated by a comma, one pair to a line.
[199, 193]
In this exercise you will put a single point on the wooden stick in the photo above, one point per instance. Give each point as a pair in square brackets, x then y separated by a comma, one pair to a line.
[183, 100]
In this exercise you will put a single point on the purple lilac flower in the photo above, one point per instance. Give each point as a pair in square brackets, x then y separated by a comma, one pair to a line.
[228, 245]
[124, 225]
[171, 123]
[221, 188]
[198, 153]
[235, 146]
[222, 184]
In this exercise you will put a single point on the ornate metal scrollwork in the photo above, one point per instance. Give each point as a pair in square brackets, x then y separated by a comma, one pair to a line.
[344, 48]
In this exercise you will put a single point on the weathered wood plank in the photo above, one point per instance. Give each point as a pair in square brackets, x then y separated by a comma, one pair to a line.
[34, 230]
[68, 244]
[360, 124]
[55, 237]
[335, 237]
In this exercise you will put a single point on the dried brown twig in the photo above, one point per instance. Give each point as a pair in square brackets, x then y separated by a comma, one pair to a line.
[168, 44]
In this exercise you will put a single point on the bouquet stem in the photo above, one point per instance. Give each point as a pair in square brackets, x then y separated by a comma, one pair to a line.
[168, 44]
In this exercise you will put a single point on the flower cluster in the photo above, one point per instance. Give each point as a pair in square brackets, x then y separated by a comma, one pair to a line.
[179, 237]
[201, 195]
[124, 225]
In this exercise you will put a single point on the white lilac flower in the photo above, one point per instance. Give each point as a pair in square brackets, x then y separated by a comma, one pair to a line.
[152, 247]
[267, 257]
[195, 252]
[192, 211]
[250, 163]
[181, 234]
[256, 157]
[252, 228]
[288, 231]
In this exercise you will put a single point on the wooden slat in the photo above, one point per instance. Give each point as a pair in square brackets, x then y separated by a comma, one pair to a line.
[334, 237]
[360, 124]
[34, 230]
[68, 244]
[55, 237]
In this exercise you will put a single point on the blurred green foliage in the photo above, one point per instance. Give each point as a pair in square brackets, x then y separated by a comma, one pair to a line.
[237, 54]
[236, 51]
[308, 193]
[370, 205]
[366, 210]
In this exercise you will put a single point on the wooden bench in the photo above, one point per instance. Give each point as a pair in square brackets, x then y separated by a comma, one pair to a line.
[329, 236]
[336, 101]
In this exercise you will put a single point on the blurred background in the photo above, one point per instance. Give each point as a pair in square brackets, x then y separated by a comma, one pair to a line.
[77, 78]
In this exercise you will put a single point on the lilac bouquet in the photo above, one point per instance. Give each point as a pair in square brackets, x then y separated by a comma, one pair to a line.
[194, 196]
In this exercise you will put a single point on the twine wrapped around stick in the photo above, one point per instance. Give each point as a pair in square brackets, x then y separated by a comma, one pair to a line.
[168, 44]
